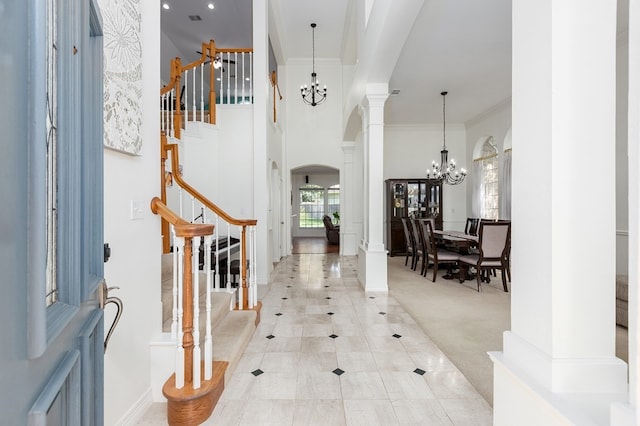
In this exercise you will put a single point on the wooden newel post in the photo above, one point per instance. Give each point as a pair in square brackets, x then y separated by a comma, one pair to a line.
[187, 307]
[177, 117]
[212, 85]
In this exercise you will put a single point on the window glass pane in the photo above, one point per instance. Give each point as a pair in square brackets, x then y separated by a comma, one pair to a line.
[52, 142]
[311, 206]
[333, 202]
[489, 193]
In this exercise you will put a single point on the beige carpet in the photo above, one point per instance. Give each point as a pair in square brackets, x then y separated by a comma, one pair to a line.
[465, 324]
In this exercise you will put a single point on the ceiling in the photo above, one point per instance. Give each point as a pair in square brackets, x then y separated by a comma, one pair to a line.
[462, 46]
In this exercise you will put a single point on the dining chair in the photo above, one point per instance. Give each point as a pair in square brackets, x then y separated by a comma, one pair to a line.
[471, 227]
[419, 246]
[411, 245]
[493, 245]
[434, 255]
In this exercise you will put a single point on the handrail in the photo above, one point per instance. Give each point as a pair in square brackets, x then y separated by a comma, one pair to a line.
[182, 227]
[191, 190]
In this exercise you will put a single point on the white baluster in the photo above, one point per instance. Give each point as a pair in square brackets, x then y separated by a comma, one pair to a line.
[228, 251]
[179, 370]
[251, 75]
[208, 344]
[243, 95]
[228, 79]
[172, 96]
[221, 86]
[202, 93]
[235, 67]
[251, 289]
[197, 356]
[194, 114]
[253, 267]
[217, 236]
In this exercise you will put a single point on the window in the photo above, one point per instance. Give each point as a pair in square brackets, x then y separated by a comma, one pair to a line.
[315, 202]
[311, 206]
[333, 202]
[487, 166]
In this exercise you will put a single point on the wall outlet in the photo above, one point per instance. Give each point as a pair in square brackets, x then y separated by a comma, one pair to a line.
[136, 210]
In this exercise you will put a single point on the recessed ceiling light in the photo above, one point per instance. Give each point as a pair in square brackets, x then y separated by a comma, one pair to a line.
[211, 6]
[165, 6]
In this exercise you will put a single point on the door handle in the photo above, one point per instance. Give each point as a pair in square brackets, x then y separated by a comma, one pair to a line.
[105, 299]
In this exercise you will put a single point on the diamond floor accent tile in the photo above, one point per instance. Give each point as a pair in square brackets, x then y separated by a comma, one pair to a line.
[278, 314]
[271, 336]
[419, 371]
[382, 313]
[397, 336]
[257, 372]
[330, 313]
[338, 372]
[333, 336]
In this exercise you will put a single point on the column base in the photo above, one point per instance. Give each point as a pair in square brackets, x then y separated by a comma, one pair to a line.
[521, 398]
[348, 245]
[372, 268]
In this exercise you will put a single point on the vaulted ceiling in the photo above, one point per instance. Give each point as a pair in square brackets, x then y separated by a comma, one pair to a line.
[461, 46]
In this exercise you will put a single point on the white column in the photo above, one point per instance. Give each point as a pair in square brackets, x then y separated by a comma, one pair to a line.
[372, 260]
[628, 413]
[261, 111]
[559, 362]
[348, 243]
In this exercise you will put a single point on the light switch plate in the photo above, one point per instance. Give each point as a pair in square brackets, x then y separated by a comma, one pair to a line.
[136, 210]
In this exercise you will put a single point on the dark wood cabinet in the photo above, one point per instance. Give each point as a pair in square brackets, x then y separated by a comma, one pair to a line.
[410, 198]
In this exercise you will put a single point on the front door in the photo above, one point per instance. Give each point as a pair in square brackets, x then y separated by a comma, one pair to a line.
[51, 214]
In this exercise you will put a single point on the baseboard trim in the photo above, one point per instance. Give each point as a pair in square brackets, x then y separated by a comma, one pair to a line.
[137, 410]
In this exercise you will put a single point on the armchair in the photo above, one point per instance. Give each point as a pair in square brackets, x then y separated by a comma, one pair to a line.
[333, 232]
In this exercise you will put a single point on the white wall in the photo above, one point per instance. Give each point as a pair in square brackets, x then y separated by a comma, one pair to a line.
[622, 165]
[313, 134]
[217, 160]
[495, 122]
[409, 151]
[135, 244]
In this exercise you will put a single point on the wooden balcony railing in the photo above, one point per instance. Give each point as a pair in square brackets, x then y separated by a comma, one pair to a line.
[220, 76]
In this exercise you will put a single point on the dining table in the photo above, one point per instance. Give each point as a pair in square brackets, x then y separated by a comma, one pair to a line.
[459, 242]
[456, 240]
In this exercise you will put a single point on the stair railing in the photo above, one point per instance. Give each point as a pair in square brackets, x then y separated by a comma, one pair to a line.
[186, 327]
[230, 235]
[192, 92]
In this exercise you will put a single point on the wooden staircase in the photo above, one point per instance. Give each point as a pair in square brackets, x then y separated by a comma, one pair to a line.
[211, 325]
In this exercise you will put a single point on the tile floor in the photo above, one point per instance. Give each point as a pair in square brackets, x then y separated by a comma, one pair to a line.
[327, 353]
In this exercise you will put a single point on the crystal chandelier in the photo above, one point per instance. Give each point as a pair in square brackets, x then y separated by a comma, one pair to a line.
[449, 175]
[313, 95]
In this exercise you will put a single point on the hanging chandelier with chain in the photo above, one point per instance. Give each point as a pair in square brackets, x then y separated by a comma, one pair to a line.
[449, 175]
[313, 95]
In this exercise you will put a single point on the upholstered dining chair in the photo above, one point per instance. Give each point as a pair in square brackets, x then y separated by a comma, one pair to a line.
[434, 255]
[411, 245]
[471, 227]
[493, 246]
[419, 247]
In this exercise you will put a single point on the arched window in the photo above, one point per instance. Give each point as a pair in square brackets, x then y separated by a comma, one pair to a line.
[485, 165]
